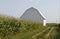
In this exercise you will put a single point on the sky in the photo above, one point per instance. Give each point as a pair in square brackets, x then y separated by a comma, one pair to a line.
[49, 8]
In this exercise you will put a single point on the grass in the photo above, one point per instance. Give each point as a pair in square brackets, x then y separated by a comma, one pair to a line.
[53, 34]
[42, 35]
[12, 28]
[25, 35]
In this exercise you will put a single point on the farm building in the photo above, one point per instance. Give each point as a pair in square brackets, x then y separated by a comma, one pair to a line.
[34, 15]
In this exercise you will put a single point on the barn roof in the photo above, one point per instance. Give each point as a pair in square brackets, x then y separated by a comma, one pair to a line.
[36, 10]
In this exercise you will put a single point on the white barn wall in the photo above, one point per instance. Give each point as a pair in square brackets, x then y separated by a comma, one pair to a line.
[34, 15]
[44, 22]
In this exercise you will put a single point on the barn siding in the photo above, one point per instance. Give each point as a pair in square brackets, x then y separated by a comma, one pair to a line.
[32, 14]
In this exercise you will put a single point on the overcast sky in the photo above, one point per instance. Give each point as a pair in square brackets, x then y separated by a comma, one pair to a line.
[49, 8]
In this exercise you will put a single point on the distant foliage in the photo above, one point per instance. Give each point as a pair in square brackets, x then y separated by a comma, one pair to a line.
[58, 29]
[52, 24]
[59, 25]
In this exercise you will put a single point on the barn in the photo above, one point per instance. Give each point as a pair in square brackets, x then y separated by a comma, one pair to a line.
[34, 15]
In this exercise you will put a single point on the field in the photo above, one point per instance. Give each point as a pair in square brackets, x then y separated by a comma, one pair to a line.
[14, 28]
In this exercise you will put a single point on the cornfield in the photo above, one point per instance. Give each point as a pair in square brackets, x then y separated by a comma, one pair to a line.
[10, 25]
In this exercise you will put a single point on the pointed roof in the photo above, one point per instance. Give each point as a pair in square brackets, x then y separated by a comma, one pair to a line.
[38, 11]
[32, 8]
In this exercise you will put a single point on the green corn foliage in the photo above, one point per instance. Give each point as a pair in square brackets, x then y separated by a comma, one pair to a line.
[9, 25]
